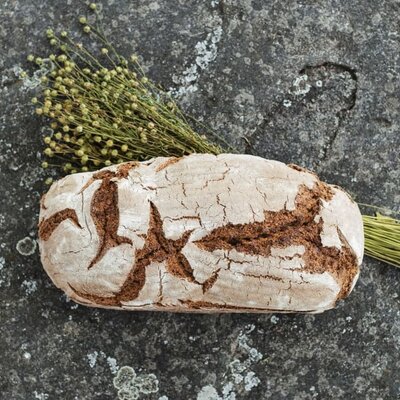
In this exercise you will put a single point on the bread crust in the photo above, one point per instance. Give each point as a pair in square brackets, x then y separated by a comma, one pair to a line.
[201, 233]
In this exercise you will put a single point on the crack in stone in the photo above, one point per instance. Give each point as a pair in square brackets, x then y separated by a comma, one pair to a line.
[342, 113]
[278, 121]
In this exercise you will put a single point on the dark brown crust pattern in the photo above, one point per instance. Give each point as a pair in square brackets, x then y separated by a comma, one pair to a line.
[47, 226]
[278, 229]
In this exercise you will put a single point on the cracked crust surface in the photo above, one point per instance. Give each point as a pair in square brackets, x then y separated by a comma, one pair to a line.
[201, 233]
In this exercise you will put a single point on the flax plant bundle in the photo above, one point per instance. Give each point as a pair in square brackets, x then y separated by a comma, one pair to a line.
[104, 110]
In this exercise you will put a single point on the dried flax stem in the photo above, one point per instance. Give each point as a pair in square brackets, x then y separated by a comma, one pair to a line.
[382, 238]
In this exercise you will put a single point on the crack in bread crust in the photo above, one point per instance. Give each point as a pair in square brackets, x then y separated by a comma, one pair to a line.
[48, 226]
[105, 215]
[157, 248]
[279, 229]
[291, 228]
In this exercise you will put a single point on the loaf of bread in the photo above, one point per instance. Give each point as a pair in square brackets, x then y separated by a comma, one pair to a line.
[201, 233]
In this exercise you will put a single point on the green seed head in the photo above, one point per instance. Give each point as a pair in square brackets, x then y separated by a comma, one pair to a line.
[143, 137]
[45, 164]
[82, 20]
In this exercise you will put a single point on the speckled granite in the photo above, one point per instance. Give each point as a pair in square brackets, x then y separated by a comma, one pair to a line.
[314, 83]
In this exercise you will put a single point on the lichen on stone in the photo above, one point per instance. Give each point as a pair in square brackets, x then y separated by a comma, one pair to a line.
[131, 385]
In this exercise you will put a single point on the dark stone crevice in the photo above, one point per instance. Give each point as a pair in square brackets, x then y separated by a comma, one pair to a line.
[343, 112]
[313, 107]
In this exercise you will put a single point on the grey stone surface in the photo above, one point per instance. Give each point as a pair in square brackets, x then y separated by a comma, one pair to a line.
[310, 82]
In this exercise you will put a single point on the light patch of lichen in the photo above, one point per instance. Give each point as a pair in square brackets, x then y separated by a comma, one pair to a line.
[130, 385]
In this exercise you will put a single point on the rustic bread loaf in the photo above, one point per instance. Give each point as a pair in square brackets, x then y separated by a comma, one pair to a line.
[205, 233]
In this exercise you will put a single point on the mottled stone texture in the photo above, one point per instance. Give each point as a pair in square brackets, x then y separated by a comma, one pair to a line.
[241, 67]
